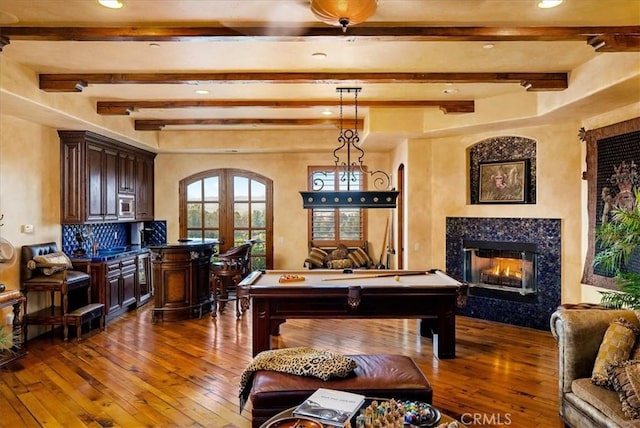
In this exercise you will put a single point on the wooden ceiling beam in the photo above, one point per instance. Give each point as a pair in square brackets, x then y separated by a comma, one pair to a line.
[283, 32]
[77, 82]
[127, 107]
[615, 43]
[159, 124]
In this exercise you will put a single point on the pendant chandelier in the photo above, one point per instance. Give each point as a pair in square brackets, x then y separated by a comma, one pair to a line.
[348, 157]
[343, 12]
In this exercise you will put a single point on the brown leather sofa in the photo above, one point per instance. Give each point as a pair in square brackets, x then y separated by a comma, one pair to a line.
[377, 375]
[579, 333]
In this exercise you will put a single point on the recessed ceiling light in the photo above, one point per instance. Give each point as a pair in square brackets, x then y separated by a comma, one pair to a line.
[318, 55]
[154, 45]
[548, 4]
[111, 4]
[201, 91]
[488, 46]
[450, 91]
[327, 112]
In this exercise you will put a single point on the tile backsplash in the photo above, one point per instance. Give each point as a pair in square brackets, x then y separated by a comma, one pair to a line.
[107, 235]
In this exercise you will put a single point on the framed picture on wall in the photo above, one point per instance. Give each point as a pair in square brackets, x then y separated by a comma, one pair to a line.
[504, 182]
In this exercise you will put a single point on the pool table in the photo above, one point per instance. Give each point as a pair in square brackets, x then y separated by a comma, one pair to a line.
[428, 295]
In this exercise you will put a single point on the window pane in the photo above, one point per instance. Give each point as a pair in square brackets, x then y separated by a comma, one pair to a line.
[350, 181]
[211, 215]
[211, 234]
[323, 180]
[258, 248]
[258, 215]
[258, 263]
[241, 215]
[194, 234]
[240, 188]
[324, 226]
[350, 222]
[194, 191]
[194, 215]
[211, 189]
[240, 237]
[258, 191]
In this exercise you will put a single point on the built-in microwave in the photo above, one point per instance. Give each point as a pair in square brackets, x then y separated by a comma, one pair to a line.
[126, 206]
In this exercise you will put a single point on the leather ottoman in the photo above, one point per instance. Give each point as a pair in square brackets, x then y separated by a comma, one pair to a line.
[383, 376]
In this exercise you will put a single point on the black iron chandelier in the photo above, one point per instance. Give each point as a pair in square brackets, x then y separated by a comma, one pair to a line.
[348, 157]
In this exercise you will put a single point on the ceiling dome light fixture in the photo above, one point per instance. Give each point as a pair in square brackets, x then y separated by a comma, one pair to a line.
[348, 157]
[548, 4]
[343, 12]
[111, 4]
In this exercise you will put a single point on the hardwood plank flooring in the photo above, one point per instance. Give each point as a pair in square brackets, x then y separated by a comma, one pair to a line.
[186, 373]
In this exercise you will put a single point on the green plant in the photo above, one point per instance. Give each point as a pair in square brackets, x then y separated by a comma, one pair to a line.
[619, 238]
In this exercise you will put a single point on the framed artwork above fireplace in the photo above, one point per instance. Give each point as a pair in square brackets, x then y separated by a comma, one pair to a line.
[510, 154]
[504, 182]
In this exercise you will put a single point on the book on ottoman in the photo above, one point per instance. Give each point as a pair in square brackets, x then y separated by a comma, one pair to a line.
[330, 406]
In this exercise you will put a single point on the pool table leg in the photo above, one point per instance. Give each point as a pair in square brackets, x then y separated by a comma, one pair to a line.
[261, 340]
[444, 337]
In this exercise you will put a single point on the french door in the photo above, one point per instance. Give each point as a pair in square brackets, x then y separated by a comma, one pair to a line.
[230, 205]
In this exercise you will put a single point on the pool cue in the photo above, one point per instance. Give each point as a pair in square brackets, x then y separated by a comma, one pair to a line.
[384, 243]
[379, 275]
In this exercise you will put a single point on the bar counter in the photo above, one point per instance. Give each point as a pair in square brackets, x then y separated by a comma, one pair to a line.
[181, 278]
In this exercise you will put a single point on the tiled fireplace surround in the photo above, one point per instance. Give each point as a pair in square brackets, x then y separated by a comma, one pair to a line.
[545, 233]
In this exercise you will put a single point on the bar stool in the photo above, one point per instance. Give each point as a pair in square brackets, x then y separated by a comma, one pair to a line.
[232, 266]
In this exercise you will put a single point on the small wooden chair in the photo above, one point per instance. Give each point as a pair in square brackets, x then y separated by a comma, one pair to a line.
[232, 266]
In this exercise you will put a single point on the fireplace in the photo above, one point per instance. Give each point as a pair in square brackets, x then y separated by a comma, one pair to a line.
[509, 301]
[502, 266]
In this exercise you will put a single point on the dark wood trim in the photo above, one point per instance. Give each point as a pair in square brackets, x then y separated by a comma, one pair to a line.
[76, 82]
[591, 138]
[127, 107]
[158, 124]
[623, 37]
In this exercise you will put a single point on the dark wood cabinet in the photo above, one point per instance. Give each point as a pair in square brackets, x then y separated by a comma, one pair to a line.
[144, 188]
[102, 195]
[95, 170]
[126, 173]
[117, 283]
[128, 270]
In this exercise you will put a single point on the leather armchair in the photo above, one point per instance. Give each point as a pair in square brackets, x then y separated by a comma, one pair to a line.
[579, 333]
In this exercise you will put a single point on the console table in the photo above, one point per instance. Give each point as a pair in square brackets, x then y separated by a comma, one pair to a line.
[17, 300]
[181, 278]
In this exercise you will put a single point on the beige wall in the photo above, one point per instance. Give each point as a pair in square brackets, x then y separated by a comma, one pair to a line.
[29, 192]
[436, 187]
[289, 174]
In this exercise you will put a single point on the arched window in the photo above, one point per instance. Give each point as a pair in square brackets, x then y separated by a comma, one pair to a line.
[230, 205]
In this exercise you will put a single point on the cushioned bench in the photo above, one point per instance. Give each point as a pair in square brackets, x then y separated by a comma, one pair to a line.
[384, 376]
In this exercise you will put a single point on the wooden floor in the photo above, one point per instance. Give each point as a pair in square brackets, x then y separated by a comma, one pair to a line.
[186, 373]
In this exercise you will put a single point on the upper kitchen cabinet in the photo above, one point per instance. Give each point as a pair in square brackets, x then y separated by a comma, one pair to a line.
[144, 188]
[126, 173]
[98, 174]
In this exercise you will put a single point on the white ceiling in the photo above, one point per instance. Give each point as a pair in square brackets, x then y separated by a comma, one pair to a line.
[344, 53]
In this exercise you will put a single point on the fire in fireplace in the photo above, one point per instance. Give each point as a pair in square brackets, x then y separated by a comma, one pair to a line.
[503, 266]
